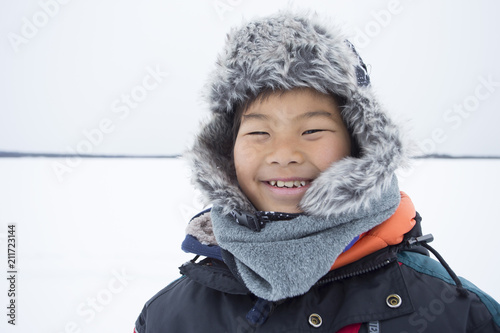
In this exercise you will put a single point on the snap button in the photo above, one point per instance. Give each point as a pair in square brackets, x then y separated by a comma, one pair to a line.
[393, 301]
[315, 320]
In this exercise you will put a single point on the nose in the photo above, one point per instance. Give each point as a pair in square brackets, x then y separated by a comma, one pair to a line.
[285, 151]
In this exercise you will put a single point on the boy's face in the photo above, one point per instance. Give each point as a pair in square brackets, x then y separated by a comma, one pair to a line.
[284, 142]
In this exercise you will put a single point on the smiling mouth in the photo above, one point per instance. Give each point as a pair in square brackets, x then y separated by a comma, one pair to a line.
[287, 184]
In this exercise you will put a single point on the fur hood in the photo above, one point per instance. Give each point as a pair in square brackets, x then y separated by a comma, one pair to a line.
[282, 52]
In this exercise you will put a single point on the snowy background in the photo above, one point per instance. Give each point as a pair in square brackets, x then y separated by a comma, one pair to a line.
[98, 237]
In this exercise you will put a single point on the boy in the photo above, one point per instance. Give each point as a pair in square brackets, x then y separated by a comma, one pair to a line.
[308, 230]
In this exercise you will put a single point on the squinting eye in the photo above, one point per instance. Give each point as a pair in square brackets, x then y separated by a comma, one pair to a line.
[257, 133]
[312, 131]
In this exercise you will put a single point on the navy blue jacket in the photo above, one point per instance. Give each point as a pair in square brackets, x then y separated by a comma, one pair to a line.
[397, 289]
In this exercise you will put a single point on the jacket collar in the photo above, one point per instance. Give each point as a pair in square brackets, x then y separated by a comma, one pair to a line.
[389, 232]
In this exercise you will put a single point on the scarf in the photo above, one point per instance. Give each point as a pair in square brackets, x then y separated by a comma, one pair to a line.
[287, 257]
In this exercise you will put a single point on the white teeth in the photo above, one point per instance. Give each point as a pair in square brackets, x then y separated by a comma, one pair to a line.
[288, 184]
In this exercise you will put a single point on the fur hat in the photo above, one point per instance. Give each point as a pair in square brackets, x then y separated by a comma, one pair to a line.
[282, 52]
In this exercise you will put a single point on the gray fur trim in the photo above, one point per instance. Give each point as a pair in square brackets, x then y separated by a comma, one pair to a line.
[283, 52]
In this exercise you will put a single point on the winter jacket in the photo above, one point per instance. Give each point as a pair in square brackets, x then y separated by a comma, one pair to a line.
[397, 288]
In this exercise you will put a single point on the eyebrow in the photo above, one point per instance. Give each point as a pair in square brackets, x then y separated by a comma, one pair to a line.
[307, 115]
[256, 116]
[312, 114]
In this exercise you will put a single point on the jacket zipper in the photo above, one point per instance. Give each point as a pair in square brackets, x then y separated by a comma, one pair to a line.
[355, 273]
[412, 241]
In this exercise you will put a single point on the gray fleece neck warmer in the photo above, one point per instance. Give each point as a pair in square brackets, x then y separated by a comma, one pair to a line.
[286, 258]
[283, 52]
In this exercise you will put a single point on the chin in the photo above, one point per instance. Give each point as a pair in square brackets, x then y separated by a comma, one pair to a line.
[283, 209]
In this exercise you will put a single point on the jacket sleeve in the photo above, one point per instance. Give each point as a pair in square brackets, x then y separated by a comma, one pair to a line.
[489, 327]
[492, 325]
[140, 323]
[152, 317]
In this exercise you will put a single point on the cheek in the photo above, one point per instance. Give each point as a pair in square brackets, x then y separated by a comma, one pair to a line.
[332, 151]
[243, 156]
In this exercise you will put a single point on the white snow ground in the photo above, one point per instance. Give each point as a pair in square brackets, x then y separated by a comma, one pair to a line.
[92, 249]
